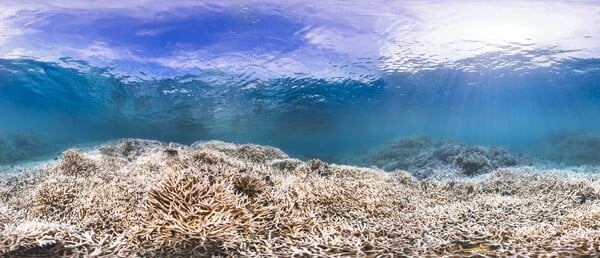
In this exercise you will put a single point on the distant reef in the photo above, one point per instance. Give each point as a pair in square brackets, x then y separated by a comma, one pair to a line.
[424, 157]
[137, 198]
[18, 147]
[570, 149]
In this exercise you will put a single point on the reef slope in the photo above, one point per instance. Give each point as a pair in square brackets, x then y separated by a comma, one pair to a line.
[136, 198]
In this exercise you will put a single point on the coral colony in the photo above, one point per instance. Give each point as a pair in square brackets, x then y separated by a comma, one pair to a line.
[136, 198]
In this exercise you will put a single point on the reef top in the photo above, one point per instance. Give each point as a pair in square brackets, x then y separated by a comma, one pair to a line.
[140, 198]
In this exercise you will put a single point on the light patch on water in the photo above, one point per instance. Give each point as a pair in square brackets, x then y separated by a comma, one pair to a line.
[326, 40]
[446, 33]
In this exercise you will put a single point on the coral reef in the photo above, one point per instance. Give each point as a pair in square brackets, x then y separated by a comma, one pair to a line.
[74, 163]
[425, 158]
[16, 147]
[399, 154]
[131, 148]
[569, 149]
[136, 198]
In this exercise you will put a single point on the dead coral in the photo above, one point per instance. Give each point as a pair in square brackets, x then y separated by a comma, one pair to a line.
[39, 239]
[129, 148]
[219, 199]
[249, 186]
[188, 214]
[259, 154]
[52, 199]
[248, 152]
[207, 157]
[75, 163]
[285, 164]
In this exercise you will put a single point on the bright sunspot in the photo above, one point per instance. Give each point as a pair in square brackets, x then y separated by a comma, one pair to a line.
[450, 32]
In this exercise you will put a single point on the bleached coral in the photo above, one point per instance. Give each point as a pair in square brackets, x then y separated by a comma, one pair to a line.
[219, 199]
[74, 163]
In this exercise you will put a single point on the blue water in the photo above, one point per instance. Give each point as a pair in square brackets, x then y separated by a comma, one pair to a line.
[327, 80]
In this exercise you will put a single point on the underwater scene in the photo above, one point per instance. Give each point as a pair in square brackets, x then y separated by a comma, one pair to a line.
[301, 128]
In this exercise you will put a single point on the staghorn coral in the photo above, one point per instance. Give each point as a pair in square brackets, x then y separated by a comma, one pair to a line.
[226, 200]
[249, 152]
[189, 212]
[74, 163]
[129, 148]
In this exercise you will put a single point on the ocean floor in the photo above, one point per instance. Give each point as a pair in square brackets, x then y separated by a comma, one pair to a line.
[138, 198]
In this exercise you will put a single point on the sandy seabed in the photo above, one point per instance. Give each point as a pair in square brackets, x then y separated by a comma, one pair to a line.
[136, 198]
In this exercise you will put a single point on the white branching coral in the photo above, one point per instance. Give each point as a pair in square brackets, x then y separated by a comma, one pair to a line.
[149, 199]
[74, 163]
[188, 212]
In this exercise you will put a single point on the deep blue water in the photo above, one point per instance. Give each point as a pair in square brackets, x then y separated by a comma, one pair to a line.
[326, 80]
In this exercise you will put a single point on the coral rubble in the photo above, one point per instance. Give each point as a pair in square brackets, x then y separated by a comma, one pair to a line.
[138, 198]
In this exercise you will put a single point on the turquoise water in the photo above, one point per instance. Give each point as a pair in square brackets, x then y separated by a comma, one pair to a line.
[326, 80]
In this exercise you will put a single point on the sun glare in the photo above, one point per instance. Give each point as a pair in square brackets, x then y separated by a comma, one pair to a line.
[453, 32]
[498, 31]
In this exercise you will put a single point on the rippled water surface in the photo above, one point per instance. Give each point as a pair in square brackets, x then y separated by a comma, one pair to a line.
[326, 79]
